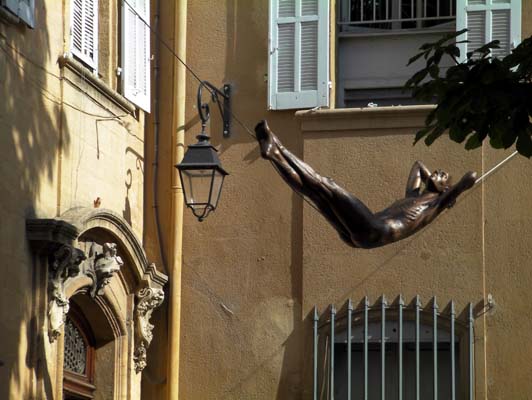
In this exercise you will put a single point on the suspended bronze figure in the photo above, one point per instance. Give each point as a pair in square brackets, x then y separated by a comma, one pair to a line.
[357, 225]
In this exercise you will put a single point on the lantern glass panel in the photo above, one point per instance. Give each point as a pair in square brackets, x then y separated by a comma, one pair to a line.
[218, 180]
[197, 187]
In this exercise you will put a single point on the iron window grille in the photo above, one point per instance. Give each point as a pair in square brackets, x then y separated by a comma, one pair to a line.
[367, 16]
[434, 346]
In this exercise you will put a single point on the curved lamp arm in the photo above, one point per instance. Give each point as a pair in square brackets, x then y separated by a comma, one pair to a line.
[217, 96]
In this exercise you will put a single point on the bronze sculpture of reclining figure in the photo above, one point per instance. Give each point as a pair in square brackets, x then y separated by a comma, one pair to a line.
[357, 225]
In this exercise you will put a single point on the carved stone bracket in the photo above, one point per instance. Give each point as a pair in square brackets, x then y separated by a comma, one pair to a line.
[54, 240]
[147, 300]
[102, 264]
[64, 263]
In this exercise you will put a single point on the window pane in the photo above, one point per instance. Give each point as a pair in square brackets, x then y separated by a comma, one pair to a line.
[75, 349]
[197, 185]
[218, 179]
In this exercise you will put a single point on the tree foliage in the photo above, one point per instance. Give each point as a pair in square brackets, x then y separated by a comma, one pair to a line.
[482, 97]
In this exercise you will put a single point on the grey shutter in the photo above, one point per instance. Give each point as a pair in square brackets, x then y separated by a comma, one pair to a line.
[299, 54]
[24, 9]
[488, 20]
[136, 53]
[84, 31]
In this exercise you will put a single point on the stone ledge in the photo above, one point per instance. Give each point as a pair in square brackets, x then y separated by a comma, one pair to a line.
[6, 16]
[68, 61]
[351, 119]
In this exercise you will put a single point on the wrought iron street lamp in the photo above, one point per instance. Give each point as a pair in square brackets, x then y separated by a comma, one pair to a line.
[201, 172]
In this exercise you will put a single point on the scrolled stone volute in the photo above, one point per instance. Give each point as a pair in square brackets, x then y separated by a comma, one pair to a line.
[147, 300]
[64, 263]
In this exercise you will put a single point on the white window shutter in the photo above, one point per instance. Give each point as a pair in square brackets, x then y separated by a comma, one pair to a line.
[136, 53]
[24, 9]
[488, 20]
[84, 31]
[298, 72]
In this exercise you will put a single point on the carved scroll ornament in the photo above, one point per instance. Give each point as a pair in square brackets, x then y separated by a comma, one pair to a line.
[147, 300]
[64, 263]
[102, 264]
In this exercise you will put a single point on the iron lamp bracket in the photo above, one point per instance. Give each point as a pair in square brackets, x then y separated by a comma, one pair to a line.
[222, 97]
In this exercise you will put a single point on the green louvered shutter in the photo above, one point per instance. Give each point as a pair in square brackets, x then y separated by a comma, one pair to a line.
[488, 20]
[298, 54]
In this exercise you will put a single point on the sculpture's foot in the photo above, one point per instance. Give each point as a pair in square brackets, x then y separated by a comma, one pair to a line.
[266, 138]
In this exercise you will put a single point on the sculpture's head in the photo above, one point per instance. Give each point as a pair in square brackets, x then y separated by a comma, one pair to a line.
[439, 181]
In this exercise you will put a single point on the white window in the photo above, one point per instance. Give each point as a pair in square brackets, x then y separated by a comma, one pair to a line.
[376, 38]
[24, 9]
[136, 52]
[84, 32]
[488, 20]
[299, 54]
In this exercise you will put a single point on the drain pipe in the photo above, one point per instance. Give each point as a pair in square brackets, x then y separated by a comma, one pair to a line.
[178, 144]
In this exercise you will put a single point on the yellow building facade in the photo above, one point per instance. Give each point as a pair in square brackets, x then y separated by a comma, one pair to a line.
[77, 311]
[113, 290]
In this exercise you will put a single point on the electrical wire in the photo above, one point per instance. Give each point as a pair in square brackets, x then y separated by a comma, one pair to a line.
[242, 124]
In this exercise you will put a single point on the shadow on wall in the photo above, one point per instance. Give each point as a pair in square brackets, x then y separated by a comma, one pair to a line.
[30, 125]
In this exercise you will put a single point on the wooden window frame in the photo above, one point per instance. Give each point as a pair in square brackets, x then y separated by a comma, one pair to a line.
[76, 385]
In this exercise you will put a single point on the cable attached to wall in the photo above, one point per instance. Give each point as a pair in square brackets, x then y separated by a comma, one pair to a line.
[248, 130]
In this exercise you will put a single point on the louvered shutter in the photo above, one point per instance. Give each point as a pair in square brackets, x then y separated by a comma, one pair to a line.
[84, 31]
[24, 9]
[136, 53]
[488, 20]
[299, 54]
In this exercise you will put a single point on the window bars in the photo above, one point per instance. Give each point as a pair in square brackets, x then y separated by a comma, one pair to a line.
[363, 344]
[371, 15]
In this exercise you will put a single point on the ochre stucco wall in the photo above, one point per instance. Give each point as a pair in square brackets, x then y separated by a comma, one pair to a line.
[253, 271]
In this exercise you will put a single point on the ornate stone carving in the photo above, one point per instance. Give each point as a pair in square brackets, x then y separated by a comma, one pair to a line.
[64, 263]
[102, 264]
[147, 300]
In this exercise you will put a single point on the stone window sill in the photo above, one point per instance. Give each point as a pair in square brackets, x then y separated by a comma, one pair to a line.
[6, 16]
[69, 62]
[350, 119]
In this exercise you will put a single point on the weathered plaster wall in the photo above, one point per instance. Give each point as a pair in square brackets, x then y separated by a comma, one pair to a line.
[241, 301]
[255, 268]
[372, 160]
[60, 150]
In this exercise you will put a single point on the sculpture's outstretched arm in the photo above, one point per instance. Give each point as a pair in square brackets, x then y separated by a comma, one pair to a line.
[419, 174]
[448, 198]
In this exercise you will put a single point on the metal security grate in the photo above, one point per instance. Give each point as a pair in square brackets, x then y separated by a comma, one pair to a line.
[368, 15]
[393, 351]
[75, 349]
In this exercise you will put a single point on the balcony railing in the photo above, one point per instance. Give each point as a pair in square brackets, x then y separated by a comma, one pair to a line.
[363, 16]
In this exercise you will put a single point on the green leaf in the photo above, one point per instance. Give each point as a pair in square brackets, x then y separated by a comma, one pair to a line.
[422, 133]
[435, 134]
[473, 142]
[415, 58]
[458, 133]
[434, 71]
[524, 144]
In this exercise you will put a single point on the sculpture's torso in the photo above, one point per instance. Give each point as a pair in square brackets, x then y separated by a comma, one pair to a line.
[402, 219]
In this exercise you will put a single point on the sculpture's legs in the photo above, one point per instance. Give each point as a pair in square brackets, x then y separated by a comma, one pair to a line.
[348, 215]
